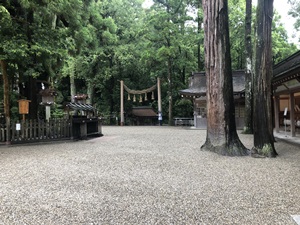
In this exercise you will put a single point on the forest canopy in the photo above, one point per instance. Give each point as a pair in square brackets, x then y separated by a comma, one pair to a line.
[88, 46]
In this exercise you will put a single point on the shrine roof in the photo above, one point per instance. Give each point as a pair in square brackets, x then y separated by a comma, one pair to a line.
[80, 106]
[143, 111]
[197, 83]
[286, 75]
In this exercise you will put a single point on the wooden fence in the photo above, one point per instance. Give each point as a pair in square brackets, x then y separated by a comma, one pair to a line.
[36, 130]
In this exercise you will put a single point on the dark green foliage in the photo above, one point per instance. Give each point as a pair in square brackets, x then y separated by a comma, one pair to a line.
[183, 108]
[102, 42]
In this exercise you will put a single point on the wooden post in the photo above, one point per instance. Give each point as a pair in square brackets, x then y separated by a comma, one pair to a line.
[8, 127]
[159, 102]
[122, 103]
[276, 113]
[159, 95]
[195, 112]
[292, 115]
[48, 112]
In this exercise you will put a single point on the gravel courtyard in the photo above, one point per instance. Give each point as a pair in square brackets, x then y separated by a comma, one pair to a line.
[147, 175]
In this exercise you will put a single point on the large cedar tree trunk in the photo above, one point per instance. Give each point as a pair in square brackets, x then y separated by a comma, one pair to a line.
[248, 127]
[199, 24]
[221, 136]
[6, 101]
[262, 124]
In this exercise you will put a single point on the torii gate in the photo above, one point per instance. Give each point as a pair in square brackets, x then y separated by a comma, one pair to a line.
[138, 92]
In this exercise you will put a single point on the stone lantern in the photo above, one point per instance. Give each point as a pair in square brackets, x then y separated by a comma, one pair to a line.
[48, 100]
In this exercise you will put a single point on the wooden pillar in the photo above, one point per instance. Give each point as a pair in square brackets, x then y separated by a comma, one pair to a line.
[159, 95]
[8, 127]
[292, 115]
[48, 112]
[195, 112]
[122, 103]
[276, 113]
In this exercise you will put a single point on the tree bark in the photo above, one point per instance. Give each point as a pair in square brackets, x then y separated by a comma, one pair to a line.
[32, 96]
[221, 135]
[170, 92]
[6, 104]
[72, 83]
[6, 101]
[199, 22]
[263, 126]
[248, 127]
[90, 92]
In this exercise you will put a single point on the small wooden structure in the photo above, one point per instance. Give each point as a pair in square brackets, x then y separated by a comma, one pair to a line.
[286, 92]
[48, 100]
[85, 122]
[80, 126]
[143, 115]
[197, 93]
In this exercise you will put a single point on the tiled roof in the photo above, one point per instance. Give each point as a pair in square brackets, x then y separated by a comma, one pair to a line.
[197, 83]
[287, 65]
[143, 112]
[80, 106]
[286, 70]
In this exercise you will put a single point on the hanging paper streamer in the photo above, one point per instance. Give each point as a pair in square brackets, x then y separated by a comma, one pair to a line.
[141, 99]
[152, 95]
[128, 97]
[146, 99]
[134, 99]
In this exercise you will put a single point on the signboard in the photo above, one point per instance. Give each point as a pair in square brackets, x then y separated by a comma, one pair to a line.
[18, 126]
[24, 106]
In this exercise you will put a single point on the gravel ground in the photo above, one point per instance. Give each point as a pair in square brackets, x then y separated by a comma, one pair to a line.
[147, 175]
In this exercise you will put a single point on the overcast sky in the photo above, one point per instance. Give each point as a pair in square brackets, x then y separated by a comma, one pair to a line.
[282, 7]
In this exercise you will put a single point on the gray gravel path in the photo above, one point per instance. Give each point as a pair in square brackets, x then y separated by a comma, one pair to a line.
[147, 175]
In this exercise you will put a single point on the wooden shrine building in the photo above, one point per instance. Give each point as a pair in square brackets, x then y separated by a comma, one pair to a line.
[143, 115]
[196, 91]
[286, 95]
[286, 92]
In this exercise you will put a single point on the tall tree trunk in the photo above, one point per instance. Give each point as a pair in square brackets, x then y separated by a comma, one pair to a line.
[90, 92]
[32, 96]
[6, 104]
[199, 23]
[263, 126]
[32, 88]
[72, 82]
[6, 100]
[248, 127]
[170, 92]
[221, 134]
[72, 88]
